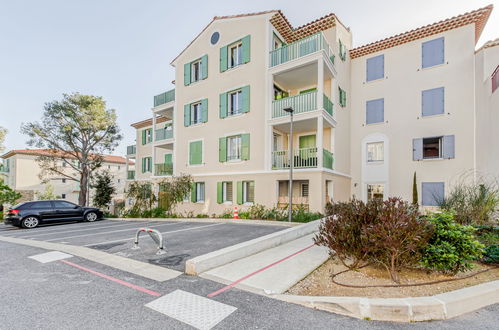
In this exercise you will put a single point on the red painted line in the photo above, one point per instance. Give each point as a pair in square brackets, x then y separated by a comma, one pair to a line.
[256, 272]
[107, 277]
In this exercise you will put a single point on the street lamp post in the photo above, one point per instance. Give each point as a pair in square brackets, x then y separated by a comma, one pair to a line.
[291, 163]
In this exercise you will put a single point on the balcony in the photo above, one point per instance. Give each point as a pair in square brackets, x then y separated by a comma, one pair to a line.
[163, 169]
[300, 103]
[131, 150]
[164, 134]
[130, 175]
[300, 48]
[303, 158]
[164, 98]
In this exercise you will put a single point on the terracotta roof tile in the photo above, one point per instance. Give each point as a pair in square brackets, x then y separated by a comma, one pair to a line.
[291, 34]
[478, 17]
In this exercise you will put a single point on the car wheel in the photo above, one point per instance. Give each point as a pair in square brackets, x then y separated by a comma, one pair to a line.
[91, 216]
[30, 222]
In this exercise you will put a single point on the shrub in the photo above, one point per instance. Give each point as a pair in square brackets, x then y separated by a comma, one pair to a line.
[473, 204]
[491, 254]
[396, 237]
[342, 231]
[452, 246]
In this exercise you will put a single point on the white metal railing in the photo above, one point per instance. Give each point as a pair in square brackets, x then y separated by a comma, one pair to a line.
[303, 158]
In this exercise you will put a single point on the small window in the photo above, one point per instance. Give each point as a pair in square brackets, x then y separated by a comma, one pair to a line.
[119, 167]
[248, 192]
[433, 52]
[63, 196]
[235, 55]
[432, 147]
[234, 148]
[375, 152]
[375, 191]
[196, 71]
[63, 180]
[199, 191]
[227, 191]
[63, 164]
[304, 190]
[119, 180]
[42, 205]
[196, 113]
[108, 167]
[235, 103]
[432, 193]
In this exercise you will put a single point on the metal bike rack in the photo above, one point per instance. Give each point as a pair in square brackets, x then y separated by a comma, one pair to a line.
[155, 235]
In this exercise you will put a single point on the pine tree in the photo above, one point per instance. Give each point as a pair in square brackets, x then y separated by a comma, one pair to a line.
[104, 189]
[414, 190]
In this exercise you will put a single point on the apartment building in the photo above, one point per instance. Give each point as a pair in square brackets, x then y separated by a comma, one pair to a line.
[21, 172]
[365, 119]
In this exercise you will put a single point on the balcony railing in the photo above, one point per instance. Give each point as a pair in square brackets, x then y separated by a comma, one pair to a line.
[4, 169]
[131, 150]
[303, 158]
[165, 97]
[300, 103]
[164, 134]
[300, 48]
[163, 169]
[130, 175]
[327, 159]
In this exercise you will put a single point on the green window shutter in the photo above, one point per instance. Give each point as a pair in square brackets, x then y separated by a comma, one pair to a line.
[220, 197]
[222, 149]
[168, 159]
[196, 153]
[204, 110]
[245, 146]
[193, 192]
[187, 115]
[187, 74]
[245, 93]
[144, 137]
[246, 48]
[204, 67]
[223, 59]
[239, 192]
[143, 165]
[223, 105]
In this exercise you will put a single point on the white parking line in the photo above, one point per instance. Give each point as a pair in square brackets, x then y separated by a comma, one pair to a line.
[54, 228]
[75, 230]
[164, 232]
[106, 232]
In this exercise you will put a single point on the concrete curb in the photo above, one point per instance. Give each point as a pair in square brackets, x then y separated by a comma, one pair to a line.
[223, 256]
[439, 307]
[214, 220]
[136, 267]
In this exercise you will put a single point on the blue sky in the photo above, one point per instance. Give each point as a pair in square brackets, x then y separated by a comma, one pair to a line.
[121, 50]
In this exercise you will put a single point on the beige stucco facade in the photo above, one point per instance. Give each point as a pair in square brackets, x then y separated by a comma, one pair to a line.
[308, 79]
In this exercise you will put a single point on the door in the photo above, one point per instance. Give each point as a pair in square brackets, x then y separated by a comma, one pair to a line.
[44, 209]
[308, 155]
[67, 211]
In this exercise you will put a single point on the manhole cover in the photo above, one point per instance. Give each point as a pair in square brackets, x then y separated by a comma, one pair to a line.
[106, 246]
[170, 261]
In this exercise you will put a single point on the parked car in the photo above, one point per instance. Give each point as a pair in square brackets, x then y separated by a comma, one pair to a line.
[31, 214]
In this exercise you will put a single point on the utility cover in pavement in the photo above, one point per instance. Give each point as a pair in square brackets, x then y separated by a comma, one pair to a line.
[200, 312]
[50, 256]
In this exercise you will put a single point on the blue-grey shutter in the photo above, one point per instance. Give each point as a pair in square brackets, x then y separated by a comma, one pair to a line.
[375, 67]
[433, 52]
[375, 111]
[432, 193]
[432, 101]
[417, 149]
[448, 146]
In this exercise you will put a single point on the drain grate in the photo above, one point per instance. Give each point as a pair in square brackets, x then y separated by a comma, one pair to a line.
[169, 261]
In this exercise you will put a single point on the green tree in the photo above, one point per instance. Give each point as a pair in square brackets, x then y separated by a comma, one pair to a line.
[3, 132]
[173, 191]
[104, 189]
[143, 197]
[48, 194]
[415, 190]
[7, 195]
[76, 130]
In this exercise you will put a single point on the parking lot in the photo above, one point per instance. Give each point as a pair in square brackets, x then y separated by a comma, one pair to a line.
[182, 240]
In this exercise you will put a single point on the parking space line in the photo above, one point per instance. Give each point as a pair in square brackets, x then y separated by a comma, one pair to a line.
[75, 230]
[164, 232]
[106, 232]
[53, 228]
[110, 278]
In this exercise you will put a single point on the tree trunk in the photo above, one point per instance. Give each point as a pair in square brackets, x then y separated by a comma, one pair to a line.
[82, 197]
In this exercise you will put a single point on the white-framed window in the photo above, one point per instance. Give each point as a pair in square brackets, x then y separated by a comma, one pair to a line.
[234, 148]
[375, 191]
[248, 192]
[304, 189]
[196, 113]
[195, 71]
[375, 152]
[227, 191]
[236, 55]
[235, 103]
[199, 191]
